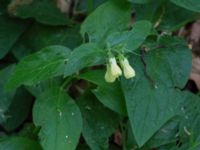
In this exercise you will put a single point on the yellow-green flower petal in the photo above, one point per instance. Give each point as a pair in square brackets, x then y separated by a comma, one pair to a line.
[108, 76]
[114, 68]
[128, 71]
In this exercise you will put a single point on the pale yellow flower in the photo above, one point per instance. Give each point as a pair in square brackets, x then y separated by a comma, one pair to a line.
[128, 71]
[114, 68]
[108, 76]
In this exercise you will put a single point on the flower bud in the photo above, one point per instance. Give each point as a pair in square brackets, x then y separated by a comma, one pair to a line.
[129, 72]
[114, 68]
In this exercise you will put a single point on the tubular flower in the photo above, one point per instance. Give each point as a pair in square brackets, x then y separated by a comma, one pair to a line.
[108, 76]
[115, 70]
[129, 72]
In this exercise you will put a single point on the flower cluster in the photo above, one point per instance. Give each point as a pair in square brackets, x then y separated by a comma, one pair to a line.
[114, 71]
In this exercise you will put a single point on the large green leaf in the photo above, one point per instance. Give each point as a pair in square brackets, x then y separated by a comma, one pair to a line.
[47, 63]
[193, 5]
[59, 118]
[44, 11]
[148, 111]
[151, 99]
[84, 56]
[171, 64]
[108, 94]
[19, 143]
[98, 122]
[110, 17]
[131, 39]
[10, 31]
[40, 36]
[5, 96]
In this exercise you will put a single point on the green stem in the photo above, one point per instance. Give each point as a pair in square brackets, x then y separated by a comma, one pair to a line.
[66, 82]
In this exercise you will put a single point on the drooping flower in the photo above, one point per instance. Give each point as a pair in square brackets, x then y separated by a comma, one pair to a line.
[128, 71]
[108, 76]
[114, 68]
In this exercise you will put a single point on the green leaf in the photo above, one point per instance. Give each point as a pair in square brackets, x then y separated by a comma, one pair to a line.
[44, 11]
[166, 135]
[18, 110]
[150, 105]
[19, 143]
[5, 96]
[148, 111]
[84, 56]
[47, 63]
[110, 17]
[161, 14]
[176, 58]
[193, 5]
[131, 39]
[10, 31]
[40, 36]
[112, 97]
[59, 118]
[171, 22]
[147, 11]
[190, 119]
[39, 88]
[108, 94]
[95, 77]
[15, 105]
[98, 122]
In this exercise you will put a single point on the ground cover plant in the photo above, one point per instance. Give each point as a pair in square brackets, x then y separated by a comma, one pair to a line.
[97, 75]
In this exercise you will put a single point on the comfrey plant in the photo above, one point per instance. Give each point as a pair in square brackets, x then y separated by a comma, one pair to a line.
[103, 75]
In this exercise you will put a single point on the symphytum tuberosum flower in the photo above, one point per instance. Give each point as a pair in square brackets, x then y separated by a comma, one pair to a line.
[113, 70]
[108, 77]
[129, 72]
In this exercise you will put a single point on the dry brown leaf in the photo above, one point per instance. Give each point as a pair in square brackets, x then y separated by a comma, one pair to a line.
[194, 37]
[195, 74]
[118, 138]
[192, 34]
